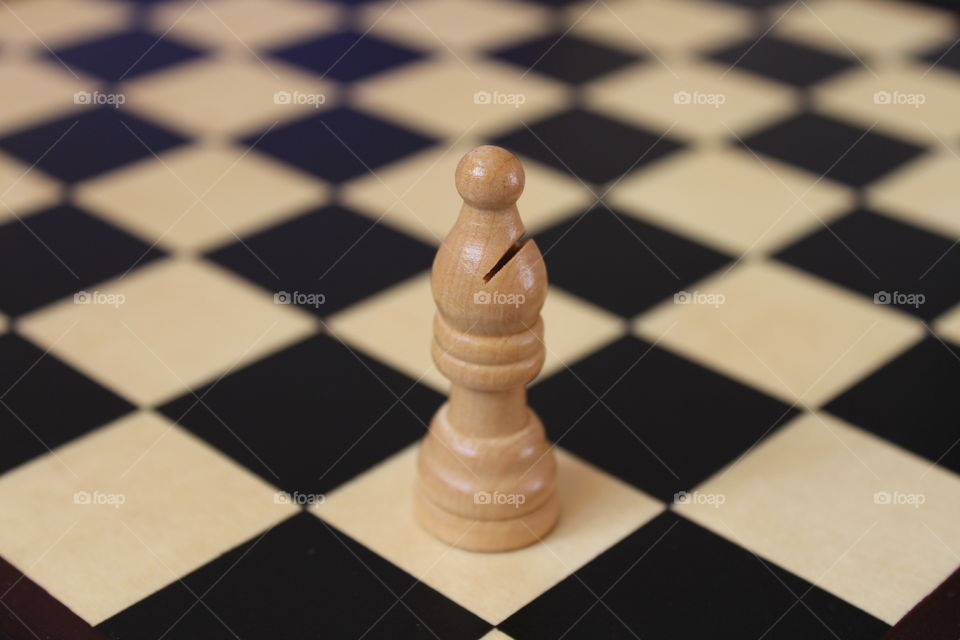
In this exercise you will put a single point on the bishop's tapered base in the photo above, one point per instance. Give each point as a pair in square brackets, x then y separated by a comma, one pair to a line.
[486, 493]
[488, 535]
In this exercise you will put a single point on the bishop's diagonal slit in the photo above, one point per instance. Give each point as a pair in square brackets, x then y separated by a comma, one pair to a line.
[511, 251]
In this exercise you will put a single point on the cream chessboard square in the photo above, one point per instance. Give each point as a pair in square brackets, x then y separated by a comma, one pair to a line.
[44, 90]
[784, 202]
[661, 26]
[24, 190]
[772, 327]
[454, 27]
[597, 511]
[460, 96]
[914, 101]
[574, 328]
[695, 100]
[56, 23]
[193, 198]
[949, 324]
[227, 96]
[924, 192]
[418, 196]
[893, 523]
[865, 27]
[90, 521]
[138, 345]
[243, 24]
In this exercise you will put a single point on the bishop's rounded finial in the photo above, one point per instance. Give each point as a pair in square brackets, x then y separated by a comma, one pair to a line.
[489, 177]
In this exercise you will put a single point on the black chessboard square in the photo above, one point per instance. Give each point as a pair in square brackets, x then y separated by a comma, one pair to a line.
[835, 149]
[632, 264]
[348, 55]
[674, 579]
[300, 579]
[125, 55]
[45, 403]
[91, 142]
[565, 57]
[339, 255]
[310, 417]
[590, 146]
[945, 57]
[56, 252]
[783, 60]
[912, 401]
[340, 144]
[891, 262]
[653, 418]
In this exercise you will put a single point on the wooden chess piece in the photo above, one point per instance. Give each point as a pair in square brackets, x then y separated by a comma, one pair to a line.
[486, 474]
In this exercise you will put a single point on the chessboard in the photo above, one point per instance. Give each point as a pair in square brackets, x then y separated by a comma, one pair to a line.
[218, 219]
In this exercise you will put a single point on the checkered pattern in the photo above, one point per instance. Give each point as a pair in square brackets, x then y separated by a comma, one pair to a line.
[216, 228]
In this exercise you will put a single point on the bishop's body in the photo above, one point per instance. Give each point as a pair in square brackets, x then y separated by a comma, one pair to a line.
[486, 473]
